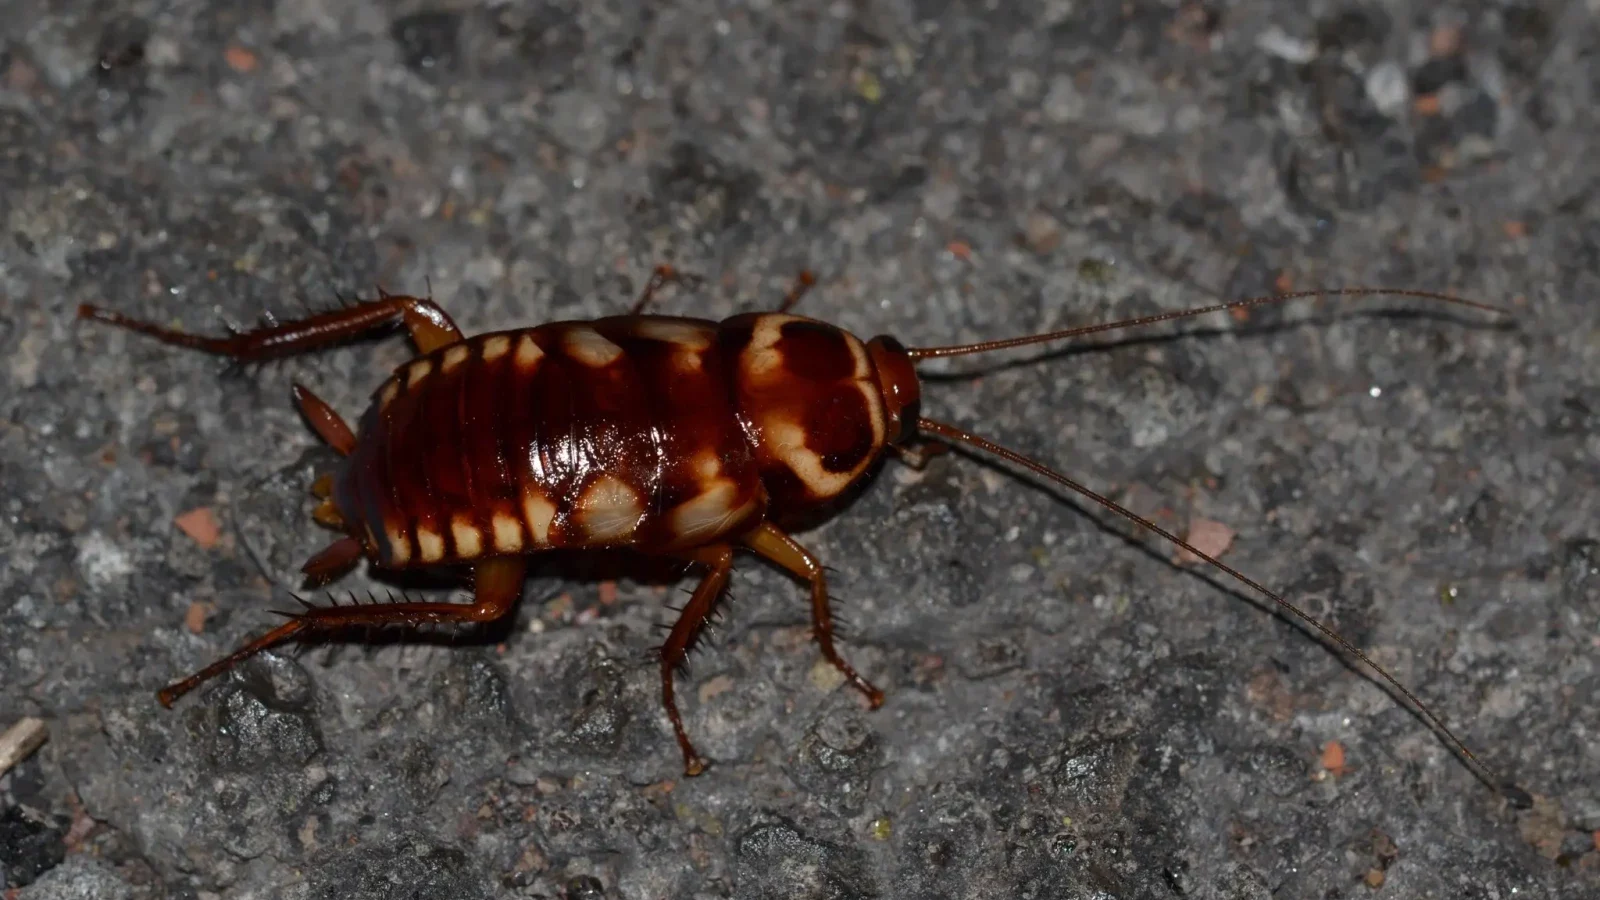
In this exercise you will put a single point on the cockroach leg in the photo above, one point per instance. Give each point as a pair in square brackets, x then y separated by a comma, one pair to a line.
[332, 561]
[170, 694]
[917, 457]
[430, 328]
[332, 429]
[497, 585]
[658, 279]
[802, 284]
[770, 543]
[691, 621]
[327, 515]
[327, 423]
[327, 512]
[663, 275]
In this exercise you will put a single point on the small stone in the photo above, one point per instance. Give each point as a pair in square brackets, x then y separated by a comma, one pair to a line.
[825, 676]
[200, 524]
[1209, 537]
[1386, 86]
[241, 59]
[578, 121]
[714, 686]
[1292, 49]
[1063, 102]
[1445, 41]
[1333, 758]
[102, 562]
[195, 618]
[1042, 233]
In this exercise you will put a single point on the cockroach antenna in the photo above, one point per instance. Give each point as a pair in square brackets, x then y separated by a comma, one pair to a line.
[919, 353]
[1516, 796]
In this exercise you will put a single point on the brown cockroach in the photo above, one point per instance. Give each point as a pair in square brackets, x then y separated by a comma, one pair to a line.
[676, 437]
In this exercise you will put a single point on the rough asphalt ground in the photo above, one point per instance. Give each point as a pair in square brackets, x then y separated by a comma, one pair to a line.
[1070, 713]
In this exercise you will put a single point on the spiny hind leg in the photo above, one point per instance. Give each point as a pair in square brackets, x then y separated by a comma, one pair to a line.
[767, 541]
[430, 327]
[497, 585]
[691, 622]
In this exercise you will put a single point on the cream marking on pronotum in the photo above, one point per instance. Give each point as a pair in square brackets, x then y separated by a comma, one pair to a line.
[763, 362]
[788, 442]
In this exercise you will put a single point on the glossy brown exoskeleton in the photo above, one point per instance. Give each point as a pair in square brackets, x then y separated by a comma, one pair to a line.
[675, 437]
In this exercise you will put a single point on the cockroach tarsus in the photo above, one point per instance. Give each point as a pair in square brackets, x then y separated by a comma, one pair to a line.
[677, 437]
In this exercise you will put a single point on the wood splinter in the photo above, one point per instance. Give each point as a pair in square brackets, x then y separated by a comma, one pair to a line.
[20, 740]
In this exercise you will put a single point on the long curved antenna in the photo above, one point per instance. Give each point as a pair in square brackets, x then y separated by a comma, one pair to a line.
[1516, 796]
[1350, 292]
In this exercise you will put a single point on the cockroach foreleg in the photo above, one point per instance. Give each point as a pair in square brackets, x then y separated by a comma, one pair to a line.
[802, 284]
[497, 585]
[767, 541]
[327, 423]
[430, 328]
[691, 622]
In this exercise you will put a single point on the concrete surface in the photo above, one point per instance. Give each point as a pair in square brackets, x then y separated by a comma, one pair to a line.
[1070, 714]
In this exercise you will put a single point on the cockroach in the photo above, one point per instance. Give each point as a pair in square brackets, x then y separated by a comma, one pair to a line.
[676, 437]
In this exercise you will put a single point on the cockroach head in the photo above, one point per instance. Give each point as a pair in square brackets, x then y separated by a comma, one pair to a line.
[897, 378]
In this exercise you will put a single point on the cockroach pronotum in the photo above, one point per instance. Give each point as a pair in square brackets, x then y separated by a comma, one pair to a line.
[675, 437]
